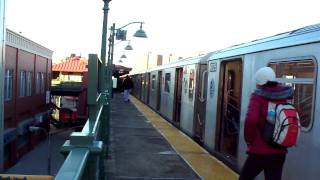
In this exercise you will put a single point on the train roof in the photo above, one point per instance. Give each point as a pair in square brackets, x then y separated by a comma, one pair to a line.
[305, 35]
[182, 62]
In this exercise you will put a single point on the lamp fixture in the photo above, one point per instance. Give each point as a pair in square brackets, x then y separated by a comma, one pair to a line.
[123, 56]
[140, 33]
[128, 47]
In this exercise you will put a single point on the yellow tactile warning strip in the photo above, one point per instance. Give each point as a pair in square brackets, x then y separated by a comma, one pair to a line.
[206, 166]
[28, 177]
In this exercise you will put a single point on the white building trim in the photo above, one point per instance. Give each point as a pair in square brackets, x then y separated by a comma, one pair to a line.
[18, 41]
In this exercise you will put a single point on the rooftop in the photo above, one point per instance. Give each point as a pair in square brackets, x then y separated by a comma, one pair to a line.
[74, 64]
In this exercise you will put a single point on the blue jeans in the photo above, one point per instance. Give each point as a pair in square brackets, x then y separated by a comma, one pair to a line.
[126, 93]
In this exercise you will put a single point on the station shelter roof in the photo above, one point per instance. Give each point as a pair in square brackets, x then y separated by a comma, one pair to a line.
[80, 65]
[74, 64]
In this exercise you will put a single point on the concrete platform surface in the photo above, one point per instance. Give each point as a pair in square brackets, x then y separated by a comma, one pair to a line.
[138, 151]
[36, 161]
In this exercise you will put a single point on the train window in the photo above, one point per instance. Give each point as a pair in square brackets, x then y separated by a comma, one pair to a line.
[153, 82]
[22, 84]
[8, 84]
[29, 83]
[301, 76]
[167, 83]
[191, 84]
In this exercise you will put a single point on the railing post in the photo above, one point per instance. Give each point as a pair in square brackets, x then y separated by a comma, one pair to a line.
[89, 138]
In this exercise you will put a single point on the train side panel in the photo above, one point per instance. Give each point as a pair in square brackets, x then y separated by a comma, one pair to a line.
[153, 89]
[211, 107]
[301, 61]
[187, 98]
[167, 93]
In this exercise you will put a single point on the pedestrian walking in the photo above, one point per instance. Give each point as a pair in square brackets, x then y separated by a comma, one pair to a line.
[127, 87]
[263, 156]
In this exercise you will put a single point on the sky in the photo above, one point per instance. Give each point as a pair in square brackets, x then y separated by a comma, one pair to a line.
[182, 28]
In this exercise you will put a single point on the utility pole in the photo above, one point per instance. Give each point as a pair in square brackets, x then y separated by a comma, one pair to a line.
[149, 52]
[2, 67]
[102, 80]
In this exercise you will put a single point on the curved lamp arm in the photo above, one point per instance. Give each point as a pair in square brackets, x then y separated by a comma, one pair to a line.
[137, 22]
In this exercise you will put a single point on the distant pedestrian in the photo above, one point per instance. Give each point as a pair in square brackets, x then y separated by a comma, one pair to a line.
[127, 87]
[261, 155]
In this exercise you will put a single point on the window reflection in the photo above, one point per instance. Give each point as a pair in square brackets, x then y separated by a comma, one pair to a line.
[167, 83]
[300, 75]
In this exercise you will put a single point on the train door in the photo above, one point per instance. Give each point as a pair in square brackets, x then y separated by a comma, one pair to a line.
[148, 87]
[229, 109]
[140, 86]
[143, 87]
[159, 90]
[200, 103]
[177, 96]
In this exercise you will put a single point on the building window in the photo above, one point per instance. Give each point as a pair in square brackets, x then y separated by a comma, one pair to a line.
[301, 76]
[8, 84]
[50, 79]
[153, 82]
[167, 82]
[42, 85]
[38, 82]
[29, 83]
[22, 90]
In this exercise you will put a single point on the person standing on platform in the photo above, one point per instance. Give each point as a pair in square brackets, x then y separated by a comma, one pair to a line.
[127, 87]
[261, 155]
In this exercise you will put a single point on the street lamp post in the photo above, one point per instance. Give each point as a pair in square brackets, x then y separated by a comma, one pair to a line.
[170, 57]
[103, 89]
[103, 45]
[121, 35]
[148, 57]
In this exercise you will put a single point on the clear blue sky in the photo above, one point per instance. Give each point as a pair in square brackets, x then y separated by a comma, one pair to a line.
[179, 27]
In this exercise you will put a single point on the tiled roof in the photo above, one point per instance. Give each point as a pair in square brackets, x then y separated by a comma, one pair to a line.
[74, 64]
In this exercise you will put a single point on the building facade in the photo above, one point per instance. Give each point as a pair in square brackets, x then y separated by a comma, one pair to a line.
[27, 78]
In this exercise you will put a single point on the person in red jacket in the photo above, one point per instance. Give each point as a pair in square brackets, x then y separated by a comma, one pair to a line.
[261, 155]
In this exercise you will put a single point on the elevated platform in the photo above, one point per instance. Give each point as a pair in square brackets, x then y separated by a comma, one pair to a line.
[66, 89]
[145, 146]
[142, 146]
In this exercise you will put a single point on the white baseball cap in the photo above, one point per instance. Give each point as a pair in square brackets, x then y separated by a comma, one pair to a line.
[265, 74]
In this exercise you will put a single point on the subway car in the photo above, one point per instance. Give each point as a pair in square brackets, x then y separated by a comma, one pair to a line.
[207, 97]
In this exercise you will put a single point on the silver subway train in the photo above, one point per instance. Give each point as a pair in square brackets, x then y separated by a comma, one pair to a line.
[207, 96]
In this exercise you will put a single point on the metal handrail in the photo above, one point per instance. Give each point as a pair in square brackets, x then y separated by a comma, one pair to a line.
[96, 125]
[74, 165]
[88, 144]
